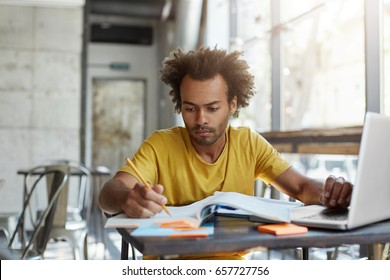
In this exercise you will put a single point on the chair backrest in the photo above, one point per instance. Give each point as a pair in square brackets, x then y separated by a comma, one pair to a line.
[39, 219]
[76, 199]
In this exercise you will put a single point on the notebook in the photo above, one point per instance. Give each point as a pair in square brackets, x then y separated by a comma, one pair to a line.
[371, 193]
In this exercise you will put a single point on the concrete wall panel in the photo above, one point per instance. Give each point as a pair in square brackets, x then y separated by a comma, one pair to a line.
[13, 155]
[57, 71]
[54, 34]
[40, 91]
[56, 111]
[51, 144]
[15, 110]
[16, 27]
[15, 70]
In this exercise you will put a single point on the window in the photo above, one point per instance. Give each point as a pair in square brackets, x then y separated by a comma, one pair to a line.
[250, 33]
[323, 67]
[322, 79]
[386, 55]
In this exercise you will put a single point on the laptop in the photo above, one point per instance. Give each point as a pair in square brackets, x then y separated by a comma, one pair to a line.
[371, 192]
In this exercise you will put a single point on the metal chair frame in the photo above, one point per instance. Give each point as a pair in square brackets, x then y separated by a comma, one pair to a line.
[33, 246]
[73, 226]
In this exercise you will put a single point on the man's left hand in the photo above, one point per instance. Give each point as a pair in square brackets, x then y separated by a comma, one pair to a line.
[337, 192]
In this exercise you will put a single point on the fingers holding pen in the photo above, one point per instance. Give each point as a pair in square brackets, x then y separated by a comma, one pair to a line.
[142, 202]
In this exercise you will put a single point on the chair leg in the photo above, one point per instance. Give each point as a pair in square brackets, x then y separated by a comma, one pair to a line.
[78, 240]
[86, 247]
[386, 252]
[6, 233]
[8, 222]
[81, 246]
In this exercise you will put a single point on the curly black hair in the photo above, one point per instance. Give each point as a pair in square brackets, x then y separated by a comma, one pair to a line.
[203, 64]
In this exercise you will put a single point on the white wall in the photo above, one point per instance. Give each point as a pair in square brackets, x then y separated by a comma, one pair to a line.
[40, 89]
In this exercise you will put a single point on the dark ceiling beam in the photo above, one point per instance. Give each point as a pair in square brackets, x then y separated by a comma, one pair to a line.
[149, 9]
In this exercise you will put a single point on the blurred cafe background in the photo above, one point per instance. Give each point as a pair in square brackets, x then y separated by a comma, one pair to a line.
[79, 79]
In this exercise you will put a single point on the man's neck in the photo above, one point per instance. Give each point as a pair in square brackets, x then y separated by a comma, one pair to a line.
[210, 153]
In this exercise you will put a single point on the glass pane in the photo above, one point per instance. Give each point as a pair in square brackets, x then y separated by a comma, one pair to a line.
[323, 83]
[251, 22]
[290, 10]
[386, 55]
[321, 166]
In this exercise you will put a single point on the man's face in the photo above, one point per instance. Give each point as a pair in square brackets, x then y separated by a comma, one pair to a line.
[205, 109]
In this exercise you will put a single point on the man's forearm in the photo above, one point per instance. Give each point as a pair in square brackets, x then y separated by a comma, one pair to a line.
[111, 196]
[313, 192]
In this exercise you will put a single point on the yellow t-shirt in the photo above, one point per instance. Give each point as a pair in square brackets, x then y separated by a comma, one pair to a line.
[167, 157]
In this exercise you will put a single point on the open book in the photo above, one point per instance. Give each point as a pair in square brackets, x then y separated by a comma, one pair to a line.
[221, 203]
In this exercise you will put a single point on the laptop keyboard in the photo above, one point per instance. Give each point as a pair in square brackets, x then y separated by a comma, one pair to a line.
[330, 214]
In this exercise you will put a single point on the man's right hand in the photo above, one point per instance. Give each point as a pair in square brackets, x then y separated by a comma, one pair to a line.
[123, 193]
[142, 202]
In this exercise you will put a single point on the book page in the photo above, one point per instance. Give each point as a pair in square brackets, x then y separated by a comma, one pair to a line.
[270, 209]
[122, 221]
[190, 213]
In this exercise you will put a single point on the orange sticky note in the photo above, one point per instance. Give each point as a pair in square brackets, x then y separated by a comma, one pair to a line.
[183, 229]
[186, 235]
[191, 232]
[177, 224]
[282, 229]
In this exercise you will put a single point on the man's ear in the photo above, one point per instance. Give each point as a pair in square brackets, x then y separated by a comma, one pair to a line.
[233, 105]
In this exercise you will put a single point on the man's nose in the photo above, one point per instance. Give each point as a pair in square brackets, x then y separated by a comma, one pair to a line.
[201, 117]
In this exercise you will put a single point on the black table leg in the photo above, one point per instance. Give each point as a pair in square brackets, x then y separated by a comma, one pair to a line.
[124, 250]
[305, 253]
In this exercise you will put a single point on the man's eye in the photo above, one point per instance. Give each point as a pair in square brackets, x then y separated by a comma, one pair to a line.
[189, 109]
[213, 109]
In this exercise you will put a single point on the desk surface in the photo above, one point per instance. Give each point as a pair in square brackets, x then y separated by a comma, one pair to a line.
[237, 234]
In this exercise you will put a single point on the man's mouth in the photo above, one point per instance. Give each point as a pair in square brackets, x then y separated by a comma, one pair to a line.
[202, 132]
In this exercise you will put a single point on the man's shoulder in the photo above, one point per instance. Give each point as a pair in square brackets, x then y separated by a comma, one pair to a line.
[239, 129]
[243, 135]
[167, 134]
[242, 131]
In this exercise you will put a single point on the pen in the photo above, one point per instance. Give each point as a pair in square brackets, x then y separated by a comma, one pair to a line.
[145, 182]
